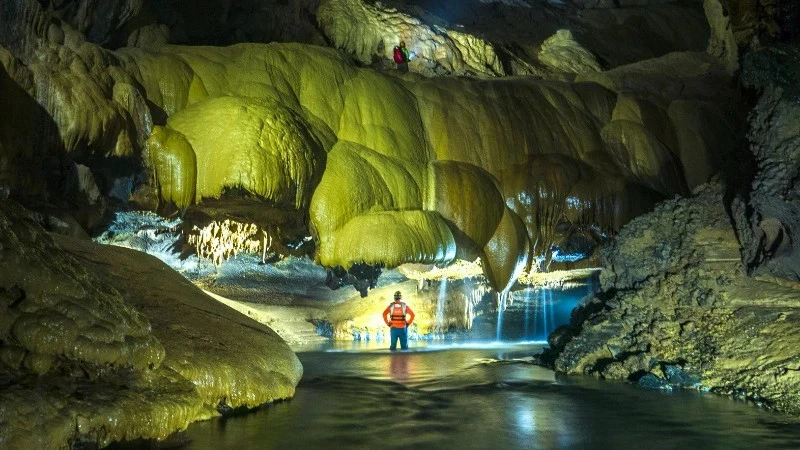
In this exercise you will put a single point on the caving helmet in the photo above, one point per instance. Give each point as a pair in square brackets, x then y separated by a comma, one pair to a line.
[398, 295]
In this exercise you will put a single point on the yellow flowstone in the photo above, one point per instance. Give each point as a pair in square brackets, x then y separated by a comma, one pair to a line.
[256, 145]
[428, 167]
[172, 161]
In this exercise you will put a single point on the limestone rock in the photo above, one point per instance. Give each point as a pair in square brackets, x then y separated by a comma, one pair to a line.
[384, 139]
[86, 321]
[128, 348]
[97, 20]
[768, 222]
[562, 53]
[675, 304]
[149, 36]
[381, 140]
[722, 42]
[368, 31]
[259, 146]
[173, 164]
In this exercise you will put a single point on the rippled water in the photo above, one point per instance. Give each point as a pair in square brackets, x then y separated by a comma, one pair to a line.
[483, 396]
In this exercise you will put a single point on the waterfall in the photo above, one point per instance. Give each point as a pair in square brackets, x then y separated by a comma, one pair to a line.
[551, 312]
[502, 300]
[543, 303]
[440, 304]
[527, 300]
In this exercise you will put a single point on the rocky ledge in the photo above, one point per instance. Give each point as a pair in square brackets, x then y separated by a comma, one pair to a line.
[704, 292]
[677, 309]
[100, 344]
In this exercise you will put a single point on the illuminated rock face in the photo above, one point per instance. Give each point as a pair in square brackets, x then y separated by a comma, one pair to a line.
[84, 319]
[675, 300]
[406, 163]
[370, 31]
[396, 171]
[101, 344]
[390, 171]
[258, 146]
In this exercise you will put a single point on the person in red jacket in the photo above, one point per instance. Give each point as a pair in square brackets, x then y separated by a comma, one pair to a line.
[401, 57]
[395, 317]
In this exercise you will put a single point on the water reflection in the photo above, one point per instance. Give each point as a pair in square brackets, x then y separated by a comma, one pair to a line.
[484, 397]
[399, 367]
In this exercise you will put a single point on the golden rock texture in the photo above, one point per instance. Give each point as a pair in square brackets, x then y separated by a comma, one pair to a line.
[302, 127]
[104, 344]
[173, 163]
[63, 311]
[261, 147]
[369, 31]
[564, 54]
[390, 170]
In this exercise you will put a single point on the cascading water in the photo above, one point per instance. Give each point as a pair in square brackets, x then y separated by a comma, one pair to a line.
[531, 314]
[440, 304]
[502, 300]
[543, 306]
[527, 300]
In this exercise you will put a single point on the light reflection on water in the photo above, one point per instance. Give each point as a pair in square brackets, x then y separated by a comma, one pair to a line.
[483, 395]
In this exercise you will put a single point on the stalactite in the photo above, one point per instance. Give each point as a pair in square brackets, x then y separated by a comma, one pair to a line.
[219, 241]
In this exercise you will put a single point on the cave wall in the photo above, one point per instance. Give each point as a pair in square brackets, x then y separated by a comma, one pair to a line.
[676, 310]
[768, 214]
[364, 150]
[383, 139]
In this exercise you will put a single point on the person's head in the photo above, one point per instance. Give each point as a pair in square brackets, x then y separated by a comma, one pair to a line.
[402, 43]
[398, 296]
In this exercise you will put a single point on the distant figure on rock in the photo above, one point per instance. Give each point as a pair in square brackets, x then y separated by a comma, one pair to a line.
[401, 57]
[395, 317]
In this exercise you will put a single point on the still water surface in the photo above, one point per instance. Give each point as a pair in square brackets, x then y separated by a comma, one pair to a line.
[483, 397]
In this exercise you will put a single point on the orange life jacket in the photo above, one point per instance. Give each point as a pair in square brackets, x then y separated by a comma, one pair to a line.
[398, 313]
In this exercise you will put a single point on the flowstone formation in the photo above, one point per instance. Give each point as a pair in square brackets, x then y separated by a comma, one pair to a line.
[388, 170]
[551, 40]
[394, 177]
[100, 344]
[371, 30]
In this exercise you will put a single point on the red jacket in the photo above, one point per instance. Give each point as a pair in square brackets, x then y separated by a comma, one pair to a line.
[395, 315]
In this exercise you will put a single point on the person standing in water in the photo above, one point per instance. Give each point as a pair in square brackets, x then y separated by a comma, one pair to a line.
[395, 317]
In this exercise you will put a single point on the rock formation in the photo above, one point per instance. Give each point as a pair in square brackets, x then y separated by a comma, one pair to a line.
[690, 300]
[101, 344]
[296, 121]
[378, 169]
[769, 217]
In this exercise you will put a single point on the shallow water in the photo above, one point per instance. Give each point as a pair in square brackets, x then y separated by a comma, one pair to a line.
[482, 396]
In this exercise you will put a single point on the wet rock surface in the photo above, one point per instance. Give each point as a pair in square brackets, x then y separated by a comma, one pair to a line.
[768, 219]
[90, 332]
[676, 309]
[702, 292]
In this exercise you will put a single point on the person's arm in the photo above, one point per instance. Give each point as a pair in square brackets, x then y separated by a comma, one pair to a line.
[386, 313]
[410, 313]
